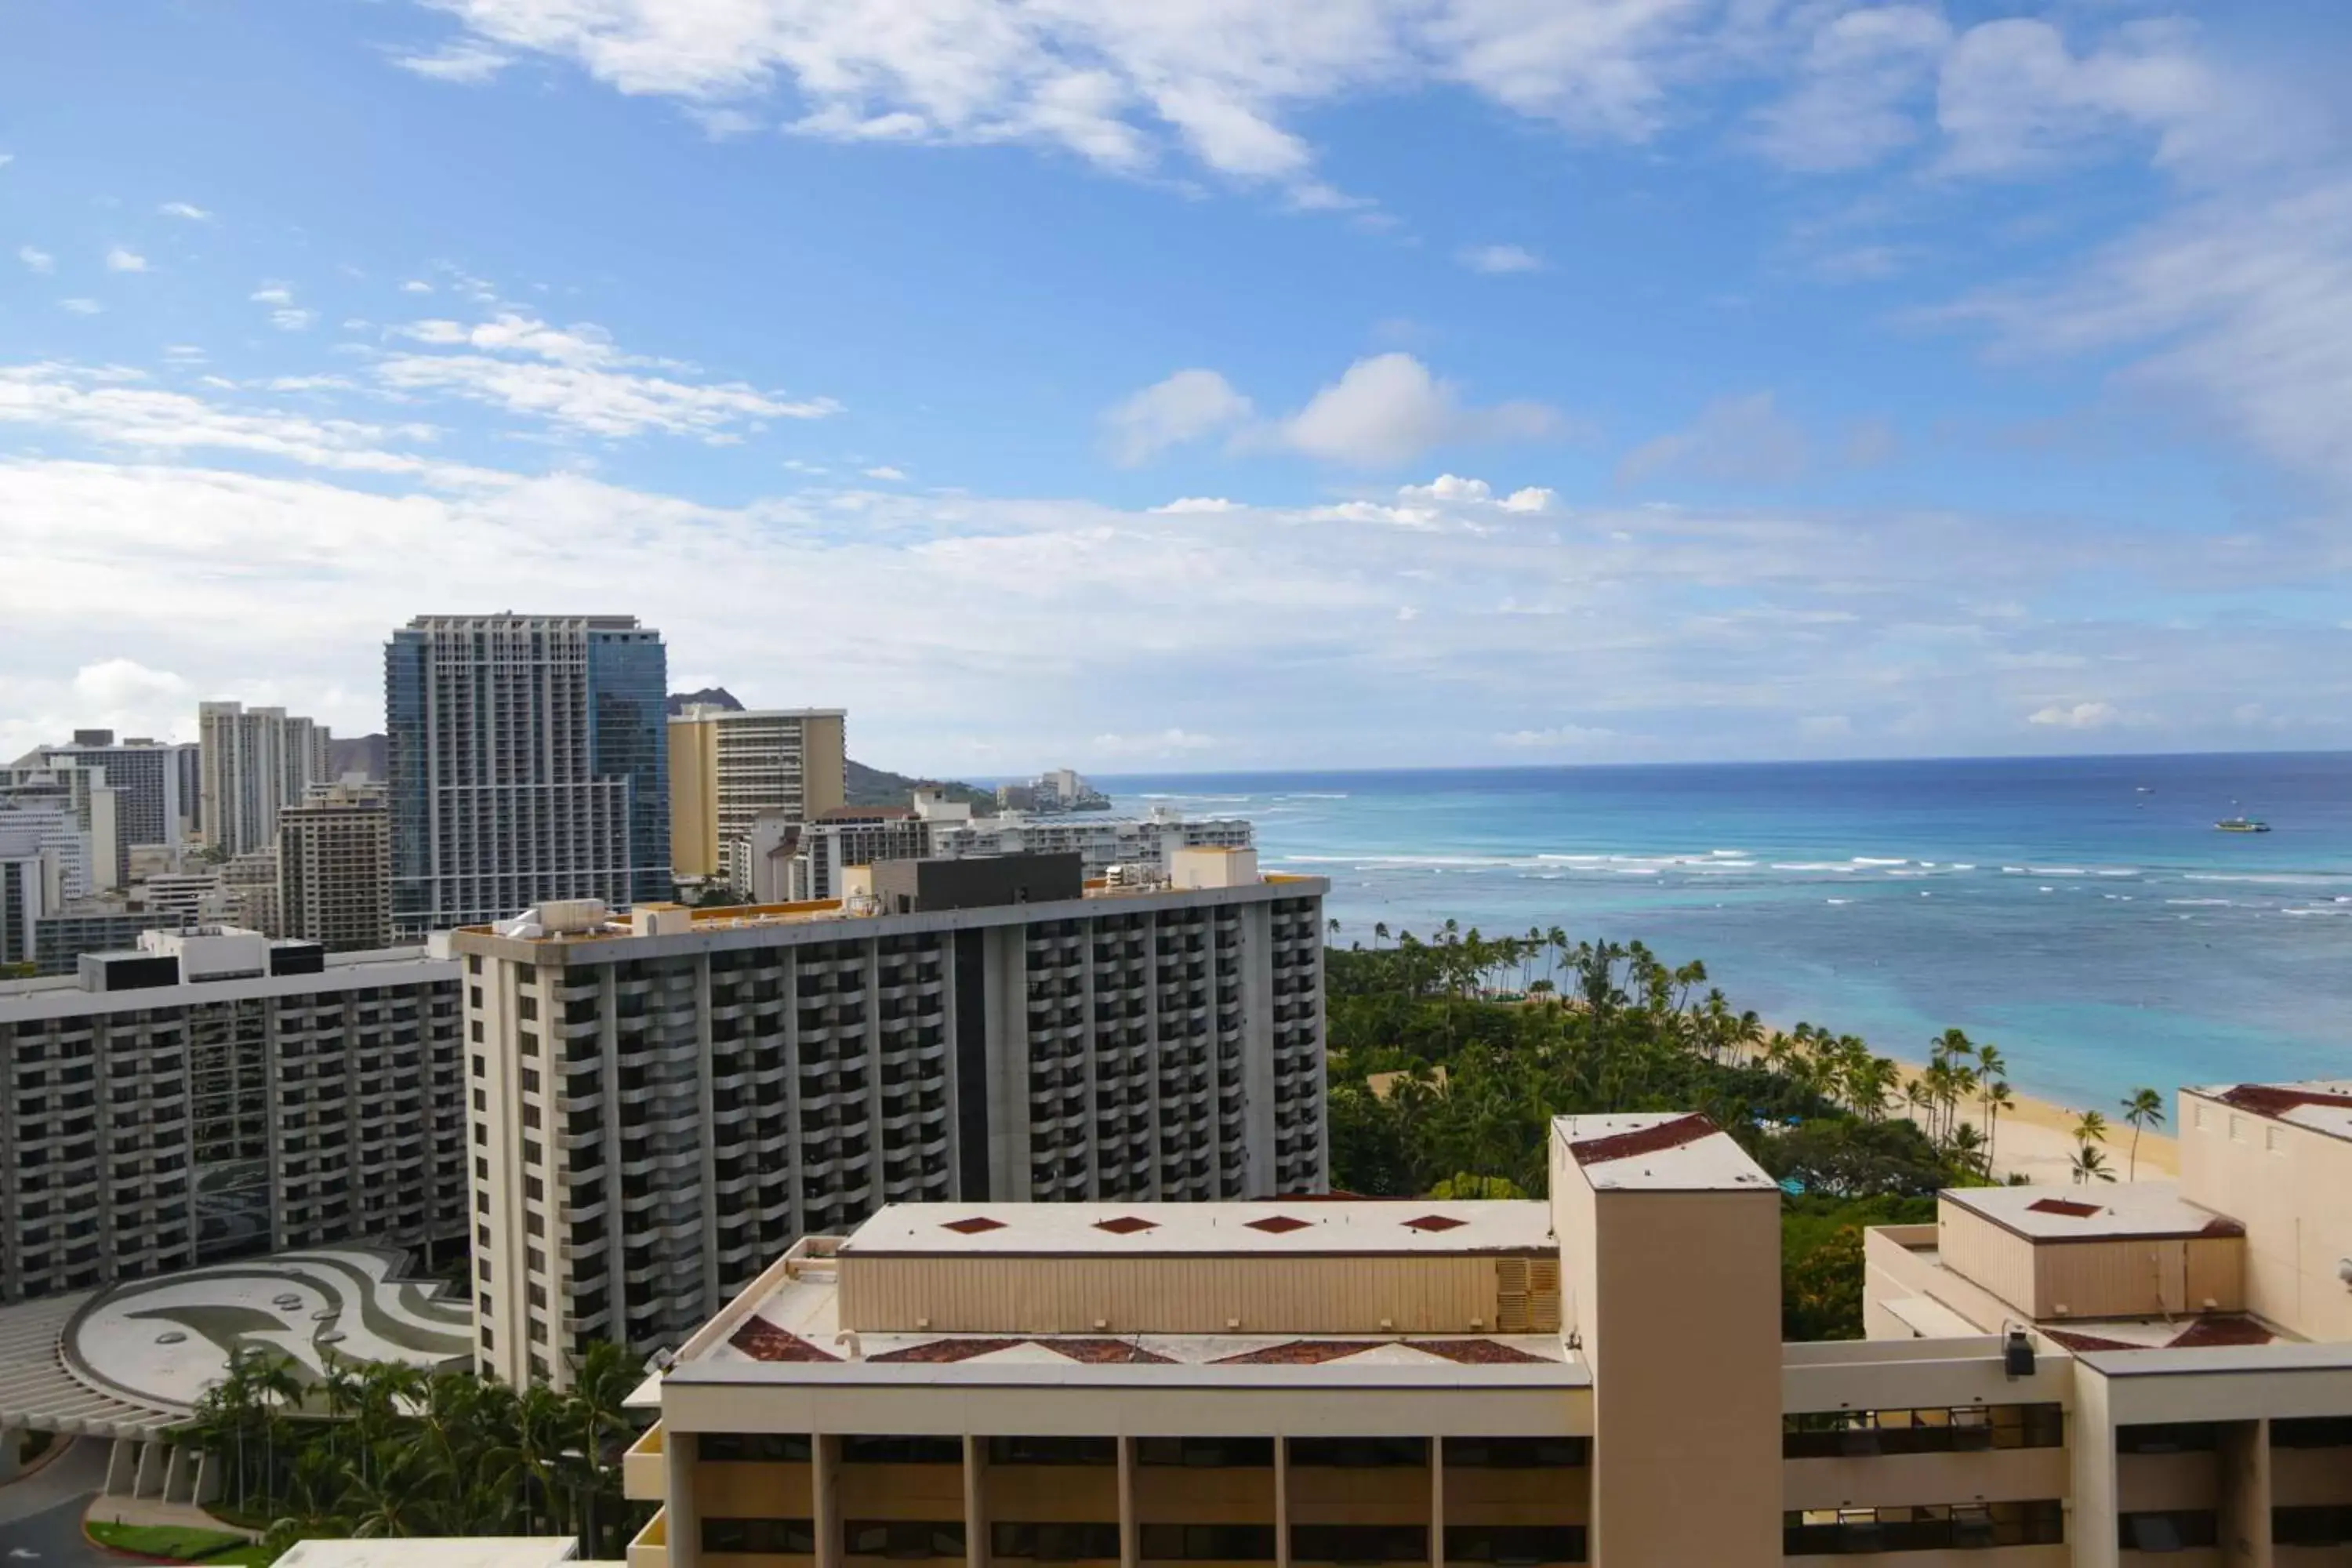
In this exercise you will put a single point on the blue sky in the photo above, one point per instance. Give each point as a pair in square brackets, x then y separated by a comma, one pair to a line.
[1199, 383]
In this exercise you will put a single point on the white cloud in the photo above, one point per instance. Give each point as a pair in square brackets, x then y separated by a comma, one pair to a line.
[1184, 408]
[1738, 440]
[573, 378]
[1558, 738]
[187, 210]
[1125, 86]
[122, 259]
[1196, 505]
[1260, 636]
[2077, 715]
[469, 64]
[272, 294]
[291, 319]
[417, 286]
[182, 353]
[111, 408]
[884, 472]
[1500, 258]
[1169, 743]
[35, 260]
[1855, 92]
[82, 307]
[2240, 308]
[115, 685]
[2013, 99]
[1389, 409]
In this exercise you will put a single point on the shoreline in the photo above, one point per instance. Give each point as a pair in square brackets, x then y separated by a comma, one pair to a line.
[2034, 1139]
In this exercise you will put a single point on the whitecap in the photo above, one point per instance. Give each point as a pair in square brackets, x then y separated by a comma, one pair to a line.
[1961, 866]
[1837, 900]
[1869, 860]
[2057, 870]
[1811, 866]
[2203, 903]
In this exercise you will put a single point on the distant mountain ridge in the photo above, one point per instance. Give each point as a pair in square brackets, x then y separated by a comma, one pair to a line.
[369, 754]
[715, 696]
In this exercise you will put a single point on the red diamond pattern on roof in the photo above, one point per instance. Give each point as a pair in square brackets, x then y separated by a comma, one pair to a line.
[974, 1226]
[763, 1341]
[1126, 1225]
[1278, 1224]
[1436, 1222]
[2067, 1206]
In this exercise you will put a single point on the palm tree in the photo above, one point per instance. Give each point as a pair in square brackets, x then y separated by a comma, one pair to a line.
[2090, 1127]
[2144, 1110]
[2090, 1165]
[1998, 1098]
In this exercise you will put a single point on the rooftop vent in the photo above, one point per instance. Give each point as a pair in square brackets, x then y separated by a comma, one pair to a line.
[1278, 1224]
[1436, 1222]
[1126, 1225]
[975, 1226]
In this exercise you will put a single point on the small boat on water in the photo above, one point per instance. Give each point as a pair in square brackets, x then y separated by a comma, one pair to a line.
[2242, 825]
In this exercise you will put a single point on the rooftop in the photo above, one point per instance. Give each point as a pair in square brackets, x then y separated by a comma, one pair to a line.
[2145, 1210]
[1658, 1152]
[1341, 1227]
[449, 1551]
[753, 917]
[2320, 1105]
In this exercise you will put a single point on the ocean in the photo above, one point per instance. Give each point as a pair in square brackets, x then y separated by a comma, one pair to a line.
[2082, 912]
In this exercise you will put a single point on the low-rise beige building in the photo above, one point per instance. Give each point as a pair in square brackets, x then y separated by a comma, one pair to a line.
[1595, 1378]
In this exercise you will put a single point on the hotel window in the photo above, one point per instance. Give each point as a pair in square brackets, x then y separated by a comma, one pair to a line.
[752, 1447]
[1054, 1451]
[1928, 1527]
[1360, 1453]
[2237, 1129]
[902, 1451]
[1207, 1543]
[1353, 1543]
[1514, 1545]
[904, 1538]
[1517, 1453]
[1968, 1428]
[2324, 1525]
[1078, 1542]
[2171, 1530]
[1207, 1453]
[786, 1537]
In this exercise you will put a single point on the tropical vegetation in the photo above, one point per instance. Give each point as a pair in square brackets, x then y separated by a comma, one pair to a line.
[389, 1449]
[1449, 1057]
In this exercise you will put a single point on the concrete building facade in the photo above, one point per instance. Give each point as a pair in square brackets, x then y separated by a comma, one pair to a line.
[334, 869]
[147, 777]
[253, 762]
[528, 761]
[727, 767]
[209, 1095]
[661, 1107]
[1593, 1379]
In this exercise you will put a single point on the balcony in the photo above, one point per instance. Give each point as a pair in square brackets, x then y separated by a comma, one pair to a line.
[645, 1471]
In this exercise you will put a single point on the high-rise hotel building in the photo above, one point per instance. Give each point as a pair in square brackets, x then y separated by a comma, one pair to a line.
[253, 763]
[729, 766]
[662, 1105]
[210, 1094]
[529, 762]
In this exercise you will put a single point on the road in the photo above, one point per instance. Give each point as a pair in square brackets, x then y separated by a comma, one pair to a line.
[40, 1515]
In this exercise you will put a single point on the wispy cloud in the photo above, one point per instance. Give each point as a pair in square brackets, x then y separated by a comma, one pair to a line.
[188, 210]
[1740, 440]
[37, 259]
[1184, 408]
[1500, 258]
[122, 259]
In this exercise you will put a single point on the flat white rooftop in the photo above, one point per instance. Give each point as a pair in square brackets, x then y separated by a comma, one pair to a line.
[1658, 1150]
[2109, 1212]
[1291, 1227]
[2321, 1105]
[448, 1551]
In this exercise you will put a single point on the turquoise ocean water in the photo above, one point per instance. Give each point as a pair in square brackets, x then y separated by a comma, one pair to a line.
[2081, 913]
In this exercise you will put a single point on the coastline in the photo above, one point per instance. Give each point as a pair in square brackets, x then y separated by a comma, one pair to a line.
[2034, 1139]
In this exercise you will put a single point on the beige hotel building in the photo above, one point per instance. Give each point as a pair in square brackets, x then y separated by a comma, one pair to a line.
[2097, 1375]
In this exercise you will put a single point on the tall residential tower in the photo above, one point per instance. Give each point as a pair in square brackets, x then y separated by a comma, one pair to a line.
[527, 762]
[728, 766]
[255, 761]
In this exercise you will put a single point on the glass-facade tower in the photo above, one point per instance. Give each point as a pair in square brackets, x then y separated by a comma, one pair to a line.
[529, 762]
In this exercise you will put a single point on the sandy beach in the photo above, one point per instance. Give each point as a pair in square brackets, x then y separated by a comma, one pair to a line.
[2035, 1139]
